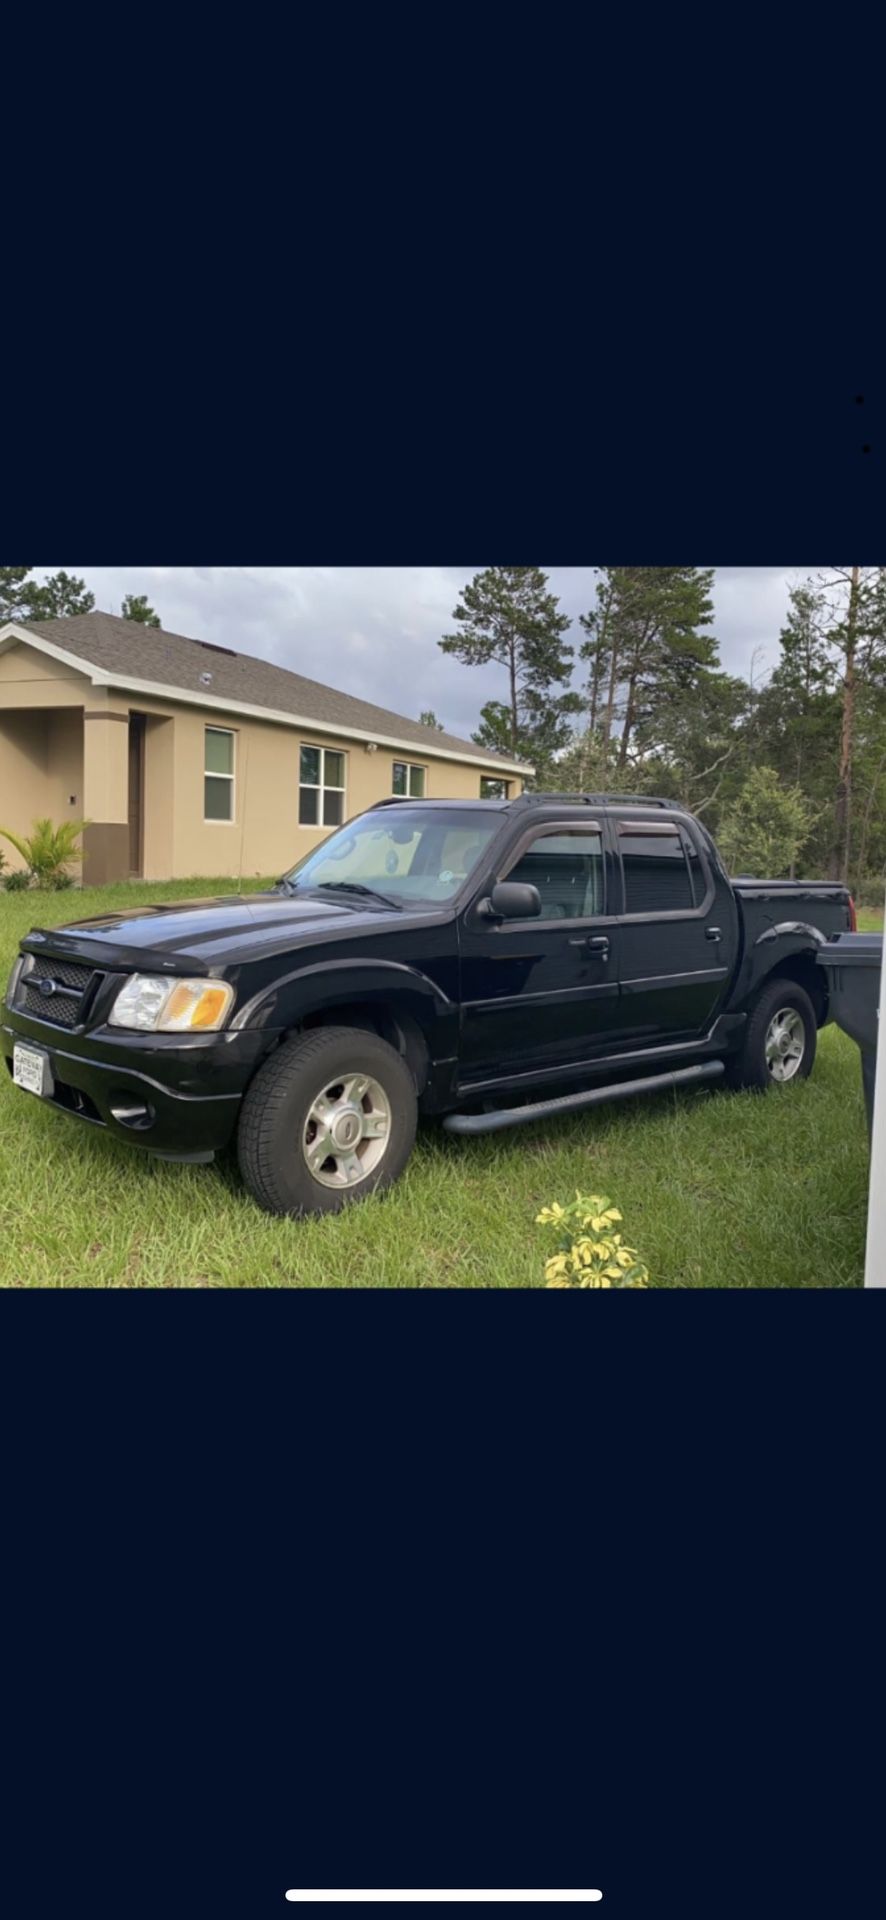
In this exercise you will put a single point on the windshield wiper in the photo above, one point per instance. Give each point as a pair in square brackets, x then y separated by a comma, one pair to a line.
[355, 886]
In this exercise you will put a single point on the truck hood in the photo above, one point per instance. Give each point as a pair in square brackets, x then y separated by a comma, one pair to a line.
[208, 933]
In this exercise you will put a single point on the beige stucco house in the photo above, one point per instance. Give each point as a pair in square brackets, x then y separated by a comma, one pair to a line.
[187, 758]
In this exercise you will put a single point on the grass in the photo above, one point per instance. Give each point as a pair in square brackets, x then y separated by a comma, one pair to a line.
[716, 1190]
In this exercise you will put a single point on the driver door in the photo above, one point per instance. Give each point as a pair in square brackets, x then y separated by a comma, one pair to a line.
[542, 993]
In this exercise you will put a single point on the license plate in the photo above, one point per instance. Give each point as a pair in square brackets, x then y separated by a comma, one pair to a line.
[30, 1069]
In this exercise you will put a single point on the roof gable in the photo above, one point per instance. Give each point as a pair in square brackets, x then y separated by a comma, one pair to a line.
[21, 660]
[148, 659]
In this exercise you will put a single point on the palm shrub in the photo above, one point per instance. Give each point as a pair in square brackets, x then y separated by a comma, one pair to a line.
[49, 851]
[591, 1252]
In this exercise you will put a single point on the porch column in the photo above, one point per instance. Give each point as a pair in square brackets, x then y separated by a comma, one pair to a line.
[105, 792]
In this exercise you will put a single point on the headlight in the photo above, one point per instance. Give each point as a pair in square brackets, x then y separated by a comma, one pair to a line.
[150, 1004]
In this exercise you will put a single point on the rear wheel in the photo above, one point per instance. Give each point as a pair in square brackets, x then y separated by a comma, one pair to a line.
[329, 1119]
[779, 1040]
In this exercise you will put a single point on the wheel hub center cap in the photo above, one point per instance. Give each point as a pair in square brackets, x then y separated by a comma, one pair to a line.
[347, 1128]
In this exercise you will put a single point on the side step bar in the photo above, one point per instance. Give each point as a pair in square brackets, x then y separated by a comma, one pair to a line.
[573, 1102]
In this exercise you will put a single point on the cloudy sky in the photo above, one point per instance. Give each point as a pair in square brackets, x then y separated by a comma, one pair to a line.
[374, 631]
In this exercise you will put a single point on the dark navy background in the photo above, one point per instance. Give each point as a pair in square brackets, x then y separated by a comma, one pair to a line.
[476, 1587]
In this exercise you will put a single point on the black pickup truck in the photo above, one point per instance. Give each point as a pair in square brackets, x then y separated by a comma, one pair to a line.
[492, 962]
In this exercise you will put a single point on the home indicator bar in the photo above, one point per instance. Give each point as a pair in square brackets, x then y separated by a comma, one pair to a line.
[537, 1897]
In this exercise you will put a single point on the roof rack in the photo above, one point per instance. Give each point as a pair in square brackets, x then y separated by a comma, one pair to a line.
[593, 800]
[408, 800]
[542, 800]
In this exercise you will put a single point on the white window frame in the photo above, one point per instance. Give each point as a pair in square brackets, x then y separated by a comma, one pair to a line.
[318, 825]
[232, 776]
[412, 766]
[500, 781]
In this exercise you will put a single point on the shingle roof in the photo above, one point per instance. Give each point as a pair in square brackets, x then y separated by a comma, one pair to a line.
[126, 647]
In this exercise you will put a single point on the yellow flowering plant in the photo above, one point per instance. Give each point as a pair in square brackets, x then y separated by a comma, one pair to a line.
[592, 1253]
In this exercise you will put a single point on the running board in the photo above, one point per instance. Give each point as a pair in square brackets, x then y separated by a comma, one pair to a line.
[202, 1159]
[573, 1102]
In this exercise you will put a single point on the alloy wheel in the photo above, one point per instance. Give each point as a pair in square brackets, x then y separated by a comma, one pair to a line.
[347, 1130]
[785, 1044]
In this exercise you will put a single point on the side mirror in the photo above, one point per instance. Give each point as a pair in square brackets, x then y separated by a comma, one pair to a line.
[511, 900]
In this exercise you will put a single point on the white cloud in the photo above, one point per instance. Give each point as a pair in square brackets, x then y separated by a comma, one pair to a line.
[374, 630]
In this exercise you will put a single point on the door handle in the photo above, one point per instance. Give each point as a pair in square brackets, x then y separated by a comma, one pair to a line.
[713, 933]
[593, 943]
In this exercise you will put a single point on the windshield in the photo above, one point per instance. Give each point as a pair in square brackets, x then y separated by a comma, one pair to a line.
[404, 854]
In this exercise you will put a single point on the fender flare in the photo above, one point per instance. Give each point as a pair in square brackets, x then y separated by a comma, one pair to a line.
[789, 940]
[797, 929]
[286, 1001]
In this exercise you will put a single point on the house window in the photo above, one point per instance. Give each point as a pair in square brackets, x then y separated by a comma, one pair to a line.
[218, 774]
[494, 789]
[321, 792]
[408, 782]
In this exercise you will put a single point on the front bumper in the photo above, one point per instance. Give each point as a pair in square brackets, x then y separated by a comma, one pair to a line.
[171, 1097]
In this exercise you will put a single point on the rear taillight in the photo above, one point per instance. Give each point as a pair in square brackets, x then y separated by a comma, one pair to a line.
[853, 917]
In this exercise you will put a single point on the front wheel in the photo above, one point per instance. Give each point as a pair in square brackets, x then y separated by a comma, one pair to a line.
[779, 1040]
[327, 1120]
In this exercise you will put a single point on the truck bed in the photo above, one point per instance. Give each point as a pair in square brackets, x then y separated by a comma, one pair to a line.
[821, 889]
[775, 914]
[822, 904]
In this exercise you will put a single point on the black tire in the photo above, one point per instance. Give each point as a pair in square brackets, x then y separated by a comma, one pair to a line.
[751, 1067]
[277, 1128]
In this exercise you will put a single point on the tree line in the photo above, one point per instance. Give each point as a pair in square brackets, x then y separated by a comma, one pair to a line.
[24, 598]
[789, 775]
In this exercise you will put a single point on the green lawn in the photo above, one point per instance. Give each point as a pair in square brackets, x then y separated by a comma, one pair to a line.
[716, 1190]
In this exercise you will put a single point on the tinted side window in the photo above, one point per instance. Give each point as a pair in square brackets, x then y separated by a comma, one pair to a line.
[567, 869]
[655, 870]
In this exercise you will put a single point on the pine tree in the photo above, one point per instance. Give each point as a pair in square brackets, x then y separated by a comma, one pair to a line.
[796, 724]
[136, 606]
[24, 599]
[694, 748]
[59, 597]
[767, 828]
[507, 616]
[856, 597]
[12, 593]
[588, 764]
[597, 649]
[821, 719]
[543, 736]
[645, 643]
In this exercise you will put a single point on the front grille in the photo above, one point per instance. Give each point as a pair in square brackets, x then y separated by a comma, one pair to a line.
[63, 1005]
[64, 972]
[60, 1012]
